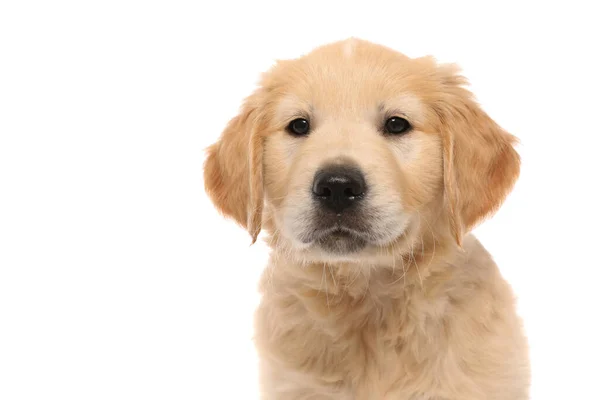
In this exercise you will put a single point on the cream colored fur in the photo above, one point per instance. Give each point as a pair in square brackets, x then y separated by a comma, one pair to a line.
[421, 313]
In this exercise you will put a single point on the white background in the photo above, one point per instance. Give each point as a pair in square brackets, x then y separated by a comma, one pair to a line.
[118, 279]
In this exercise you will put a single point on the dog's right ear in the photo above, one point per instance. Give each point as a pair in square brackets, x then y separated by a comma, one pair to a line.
[233, 169]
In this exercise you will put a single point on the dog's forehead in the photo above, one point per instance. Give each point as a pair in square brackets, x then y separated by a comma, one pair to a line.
[346, 77]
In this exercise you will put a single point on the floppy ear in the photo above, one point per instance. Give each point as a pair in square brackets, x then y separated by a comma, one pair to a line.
[233, 169]
[480, 163]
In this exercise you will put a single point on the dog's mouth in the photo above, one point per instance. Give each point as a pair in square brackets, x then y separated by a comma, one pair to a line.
[350, 233]
[339, 239]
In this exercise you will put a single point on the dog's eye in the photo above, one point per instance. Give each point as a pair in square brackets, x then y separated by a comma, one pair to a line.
[397, 125]
[298, 127]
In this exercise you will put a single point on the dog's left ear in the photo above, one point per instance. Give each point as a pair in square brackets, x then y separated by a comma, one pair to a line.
[233, 168]
[481, 165]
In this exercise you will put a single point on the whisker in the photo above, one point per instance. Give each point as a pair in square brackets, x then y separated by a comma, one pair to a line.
[332, 277]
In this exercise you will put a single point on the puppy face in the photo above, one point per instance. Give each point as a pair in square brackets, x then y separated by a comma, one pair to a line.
[364, 167]
[355, 152]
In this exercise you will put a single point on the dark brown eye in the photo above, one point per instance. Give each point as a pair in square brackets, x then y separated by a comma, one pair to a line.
[298, 127]
[397, 125]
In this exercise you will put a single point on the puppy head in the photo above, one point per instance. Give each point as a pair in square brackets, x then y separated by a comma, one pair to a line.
[355, 150]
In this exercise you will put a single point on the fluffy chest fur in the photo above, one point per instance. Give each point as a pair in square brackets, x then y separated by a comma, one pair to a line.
[353, 333]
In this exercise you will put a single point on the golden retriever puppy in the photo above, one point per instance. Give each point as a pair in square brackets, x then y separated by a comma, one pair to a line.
[367, 169]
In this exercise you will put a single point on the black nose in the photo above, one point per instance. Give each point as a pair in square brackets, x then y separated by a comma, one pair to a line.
[339, 187]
